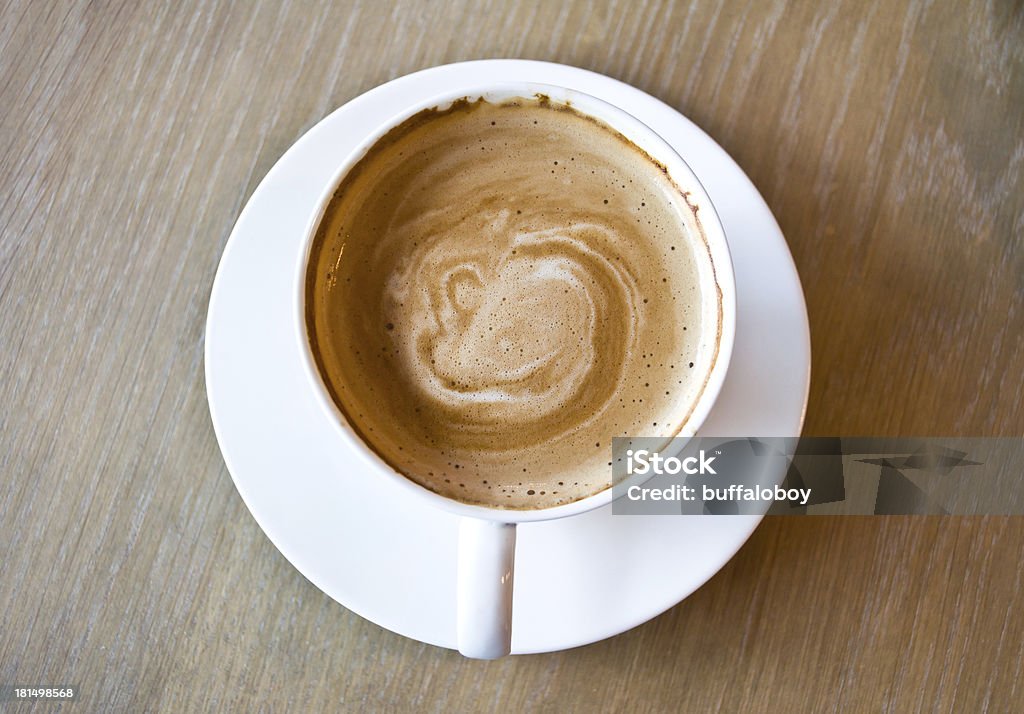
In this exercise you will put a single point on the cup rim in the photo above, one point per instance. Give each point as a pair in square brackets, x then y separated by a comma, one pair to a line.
[629, 126]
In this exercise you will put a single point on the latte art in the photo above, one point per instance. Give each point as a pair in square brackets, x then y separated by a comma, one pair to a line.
[497, 290]
[460, 323]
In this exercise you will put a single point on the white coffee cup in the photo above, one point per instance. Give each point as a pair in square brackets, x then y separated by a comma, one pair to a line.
[487, 535]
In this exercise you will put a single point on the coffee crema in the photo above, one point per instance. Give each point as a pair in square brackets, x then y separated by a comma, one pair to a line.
[496, 290]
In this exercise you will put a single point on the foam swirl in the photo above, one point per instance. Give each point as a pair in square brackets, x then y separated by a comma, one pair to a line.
[502, 339]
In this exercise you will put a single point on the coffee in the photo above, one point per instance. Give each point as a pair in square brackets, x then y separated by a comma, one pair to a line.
[496, 290]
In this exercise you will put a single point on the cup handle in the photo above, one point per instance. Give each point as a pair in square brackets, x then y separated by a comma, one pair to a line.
[484, 591]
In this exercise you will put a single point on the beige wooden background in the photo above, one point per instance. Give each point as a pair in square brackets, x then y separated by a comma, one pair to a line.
[888, 139]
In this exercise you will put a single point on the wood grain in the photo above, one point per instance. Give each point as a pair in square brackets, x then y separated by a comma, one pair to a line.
[888, 139]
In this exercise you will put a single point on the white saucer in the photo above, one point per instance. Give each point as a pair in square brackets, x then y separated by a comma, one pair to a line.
[578, 580]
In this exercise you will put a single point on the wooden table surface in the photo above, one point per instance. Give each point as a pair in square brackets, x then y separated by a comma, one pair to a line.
[887, 138]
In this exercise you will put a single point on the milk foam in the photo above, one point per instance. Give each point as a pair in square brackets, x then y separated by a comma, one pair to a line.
[496, 291]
